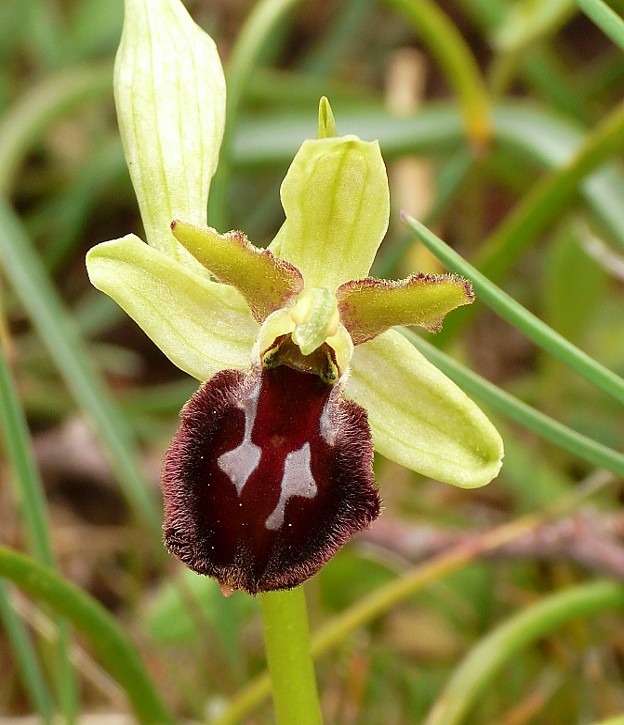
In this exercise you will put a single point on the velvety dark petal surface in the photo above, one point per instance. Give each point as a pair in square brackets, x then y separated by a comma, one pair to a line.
[268, 476]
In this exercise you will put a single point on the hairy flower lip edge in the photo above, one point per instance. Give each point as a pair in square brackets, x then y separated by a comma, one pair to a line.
[231, 544]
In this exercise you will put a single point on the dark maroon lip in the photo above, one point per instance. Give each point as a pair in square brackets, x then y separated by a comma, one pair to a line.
[269, 474]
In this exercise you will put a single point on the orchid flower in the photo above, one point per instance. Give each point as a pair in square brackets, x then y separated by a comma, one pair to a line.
[271, 470]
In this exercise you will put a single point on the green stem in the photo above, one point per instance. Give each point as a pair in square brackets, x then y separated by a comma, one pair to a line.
[287, 643]
[605, 18]
[398, 590]
[520, 29]
[26, 658]
[383, 599]
[480, 667]
[28, 486]
[456, 61]
[510, 310]
[114, 648]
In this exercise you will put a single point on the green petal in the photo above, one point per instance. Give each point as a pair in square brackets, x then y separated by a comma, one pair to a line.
[370, 306]
[266, 282]
[170, 99]
[201, 326]
[419, 417]
[337, 204]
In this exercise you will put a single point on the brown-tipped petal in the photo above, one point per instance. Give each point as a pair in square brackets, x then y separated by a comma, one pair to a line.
[268, 476]
[265, 281]
[371, 306]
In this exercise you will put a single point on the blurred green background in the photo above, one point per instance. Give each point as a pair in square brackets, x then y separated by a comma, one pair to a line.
[502, 127]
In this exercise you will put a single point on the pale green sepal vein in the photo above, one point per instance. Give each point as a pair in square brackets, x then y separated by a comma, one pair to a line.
[370, 306]
[201, 326]
[265, 281]
[420, 418]
[337, 204]
[170, 99]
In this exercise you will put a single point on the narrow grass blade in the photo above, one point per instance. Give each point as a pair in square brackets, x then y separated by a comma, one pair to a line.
[382, 599]
[605, 18]
[26, 658]
[59, 333]
[114, 648]
[484, 661]
[40, 107]
[252, 39]
[510, 310]
[456, 61]
[550, 196]
[551, 430]
[29, 494]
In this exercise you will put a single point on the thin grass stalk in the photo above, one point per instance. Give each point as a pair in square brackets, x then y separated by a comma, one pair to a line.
[108, 640]
[537, 331]
[482, 664]
[456, 61]
[253, 38]
[52, 98]
[393, 593]
[605, 18]
[32, 506]
[549, 197]
[26, 658]
[67, 348]
[551, 430]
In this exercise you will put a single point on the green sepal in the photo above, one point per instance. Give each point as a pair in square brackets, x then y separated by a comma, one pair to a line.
[201, 326]
[370, 306]
[266, 282]
[337, 204]
[419, 417]
[170, 100]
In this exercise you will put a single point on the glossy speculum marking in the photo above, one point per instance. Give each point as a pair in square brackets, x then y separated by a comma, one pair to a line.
[268, 476]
